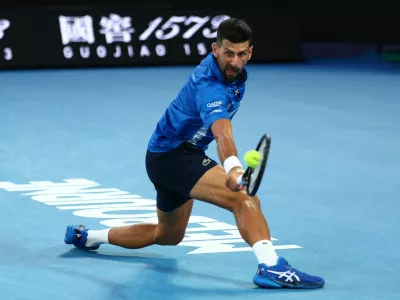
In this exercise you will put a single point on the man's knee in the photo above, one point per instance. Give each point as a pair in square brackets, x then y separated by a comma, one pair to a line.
[256, 200]
[245, 202]
[166, 238]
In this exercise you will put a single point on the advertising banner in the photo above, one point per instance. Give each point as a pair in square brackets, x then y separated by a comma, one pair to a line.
[97, 36]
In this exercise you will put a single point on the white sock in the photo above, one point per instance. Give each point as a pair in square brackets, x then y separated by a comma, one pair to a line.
[265, 253]
[97, 237]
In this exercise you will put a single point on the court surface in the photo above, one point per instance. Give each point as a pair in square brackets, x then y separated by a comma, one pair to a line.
[72, 146]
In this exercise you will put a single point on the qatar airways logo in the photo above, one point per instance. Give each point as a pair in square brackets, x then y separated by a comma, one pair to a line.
[214, 104]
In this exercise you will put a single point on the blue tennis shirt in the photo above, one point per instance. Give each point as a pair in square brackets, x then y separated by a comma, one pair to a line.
[206, 97]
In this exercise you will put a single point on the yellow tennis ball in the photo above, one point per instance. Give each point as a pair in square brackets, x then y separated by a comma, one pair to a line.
[252, 158]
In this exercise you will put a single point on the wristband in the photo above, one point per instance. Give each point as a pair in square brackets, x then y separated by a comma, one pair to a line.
[231, 162]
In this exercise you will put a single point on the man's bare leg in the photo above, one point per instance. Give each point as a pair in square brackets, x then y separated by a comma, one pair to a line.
[170, 230]
[249, 217]
[250, 220]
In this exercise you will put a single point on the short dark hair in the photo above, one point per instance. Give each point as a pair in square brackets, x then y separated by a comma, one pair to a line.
[234, 30]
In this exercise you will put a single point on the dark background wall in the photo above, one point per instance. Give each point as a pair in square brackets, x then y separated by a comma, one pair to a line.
[283, 29]
[326, 20]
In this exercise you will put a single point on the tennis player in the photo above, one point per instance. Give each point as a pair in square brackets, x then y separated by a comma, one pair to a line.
[180, 170]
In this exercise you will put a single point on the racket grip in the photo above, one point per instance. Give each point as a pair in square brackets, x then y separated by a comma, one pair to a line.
[239, 180]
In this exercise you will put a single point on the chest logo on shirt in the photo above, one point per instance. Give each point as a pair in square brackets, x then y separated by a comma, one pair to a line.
[214, 104]
[237, 93]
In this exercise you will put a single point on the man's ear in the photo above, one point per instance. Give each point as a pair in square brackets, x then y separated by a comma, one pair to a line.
[215, 49]
[250, 52]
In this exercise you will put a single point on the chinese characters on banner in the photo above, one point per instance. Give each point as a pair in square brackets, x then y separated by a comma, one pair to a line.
[76, 29]
[6, 51]
[79, 35]
[125, 36]
[117, 29]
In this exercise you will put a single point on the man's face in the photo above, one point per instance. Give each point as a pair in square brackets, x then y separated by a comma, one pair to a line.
[232, 57]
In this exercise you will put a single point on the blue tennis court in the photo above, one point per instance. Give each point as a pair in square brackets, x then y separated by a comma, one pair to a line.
[72, 152]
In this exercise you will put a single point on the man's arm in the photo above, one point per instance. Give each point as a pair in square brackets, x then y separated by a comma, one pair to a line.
[222, 131]
[212, 102]
[227, 152]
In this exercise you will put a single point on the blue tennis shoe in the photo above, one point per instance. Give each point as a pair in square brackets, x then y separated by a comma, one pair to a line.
[77, 236]
[282, 275]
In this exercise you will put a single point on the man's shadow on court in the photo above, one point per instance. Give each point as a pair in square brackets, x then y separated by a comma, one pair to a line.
[160, 277]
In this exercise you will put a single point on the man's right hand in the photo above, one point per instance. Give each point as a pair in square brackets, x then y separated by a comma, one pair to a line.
[231, 181]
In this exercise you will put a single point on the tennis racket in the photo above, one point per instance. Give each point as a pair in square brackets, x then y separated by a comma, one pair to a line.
[252, 177]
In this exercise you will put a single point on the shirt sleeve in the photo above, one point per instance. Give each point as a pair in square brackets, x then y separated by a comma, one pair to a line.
[212, 103]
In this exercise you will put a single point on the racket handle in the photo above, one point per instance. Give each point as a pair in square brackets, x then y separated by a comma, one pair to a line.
[239, 180]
